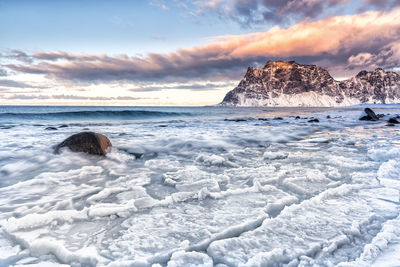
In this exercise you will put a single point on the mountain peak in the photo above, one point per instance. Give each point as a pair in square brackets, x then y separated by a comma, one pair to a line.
[280, 64]
[288, 83]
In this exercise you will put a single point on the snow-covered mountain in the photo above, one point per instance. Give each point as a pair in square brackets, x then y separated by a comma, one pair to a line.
[282, 83]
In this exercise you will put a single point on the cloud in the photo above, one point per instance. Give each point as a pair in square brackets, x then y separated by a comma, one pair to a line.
[191, 87]
[330, 42]
[284, 12]
[382, 3]
[69, 97]
[249, 12]
[3, 72]
[159, 3]
[16, 84]
[20, 56]
[388, 57]
[183, 64]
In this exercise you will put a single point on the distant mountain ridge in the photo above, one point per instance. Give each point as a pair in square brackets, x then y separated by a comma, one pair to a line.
[287, 83]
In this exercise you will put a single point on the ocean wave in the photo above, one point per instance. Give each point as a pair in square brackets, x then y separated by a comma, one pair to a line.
[95, 114]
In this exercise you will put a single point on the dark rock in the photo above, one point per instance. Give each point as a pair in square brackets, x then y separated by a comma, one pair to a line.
[63, 126]
[87, 142]
[51, 128]
[314, 120]
[328, 117]
[380, 115]
[262, 119]
[393, 120]
[7, 126]
[235, 120]
[278, 118]
[162, 125]
[390, 124]
[297, 117]
[368, 115]
[137, 155]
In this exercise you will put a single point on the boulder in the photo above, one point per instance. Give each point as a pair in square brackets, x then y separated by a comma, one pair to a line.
[314, 120]
[368, 115]
[393, 120]
[87, 142]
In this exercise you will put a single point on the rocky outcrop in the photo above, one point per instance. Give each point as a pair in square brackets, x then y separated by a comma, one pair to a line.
[281, 83]
[87, 142]
[368, 115]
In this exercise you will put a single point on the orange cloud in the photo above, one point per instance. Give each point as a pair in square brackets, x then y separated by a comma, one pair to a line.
[332, 36]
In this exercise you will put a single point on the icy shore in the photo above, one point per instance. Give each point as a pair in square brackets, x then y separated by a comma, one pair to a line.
[204, 192]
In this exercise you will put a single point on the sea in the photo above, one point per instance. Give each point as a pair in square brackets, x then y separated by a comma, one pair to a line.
[200, 186]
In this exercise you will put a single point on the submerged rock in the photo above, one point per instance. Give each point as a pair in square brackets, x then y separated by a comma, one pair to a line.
[51, 128]
[87, 142]
[235, 120]
[368, 115]
[314, 120]
[393, 120]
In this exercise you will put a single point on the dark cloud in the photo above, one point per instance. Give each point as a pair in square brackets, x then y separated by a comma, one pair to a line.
[16, 84]
[382, 3]
[20, 56]
[64, 55]
[388, 56]
[249, 13]
[284, 12]
[174, 67]
[191, 87]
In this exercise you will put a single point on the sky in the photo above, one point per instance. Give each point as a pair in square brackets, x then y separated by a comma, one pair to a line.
[180, 52]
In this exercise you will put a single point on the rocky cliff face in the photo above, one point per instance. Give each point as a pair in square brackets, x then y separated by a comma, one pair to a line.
[282, 83]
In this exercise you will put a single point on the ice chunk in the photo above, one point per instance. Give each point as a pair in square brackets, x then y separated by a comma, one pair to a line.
[190, 259]
[271, 155]
[215, 160]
